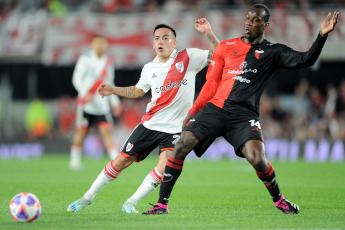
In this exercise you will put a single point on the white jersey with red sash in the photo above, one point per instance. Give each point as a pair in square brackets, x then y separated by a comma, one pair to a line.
[89, 73]
[172, 87]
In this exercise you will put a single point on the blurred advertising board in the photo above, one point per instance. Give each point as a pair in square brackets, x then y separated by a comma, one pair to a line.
[60, 41]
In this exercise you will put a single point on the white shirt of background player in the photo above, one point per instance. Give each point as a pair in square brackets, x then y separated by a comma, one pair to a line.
[88, 69]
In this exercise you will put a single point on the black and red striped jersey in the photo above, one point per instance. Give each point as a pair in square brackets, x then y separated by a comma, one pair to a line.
[239, 71]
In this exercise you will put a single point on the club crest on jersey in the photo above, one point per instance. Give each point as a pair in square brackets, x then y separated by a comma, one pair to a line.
[258, 53]
[179, 66]
[129, 146]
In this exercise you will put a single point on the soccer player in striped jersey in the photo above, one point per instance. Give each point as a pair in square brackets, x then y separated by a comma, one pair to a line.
[228, 104]
[171, 78]
[91, 70]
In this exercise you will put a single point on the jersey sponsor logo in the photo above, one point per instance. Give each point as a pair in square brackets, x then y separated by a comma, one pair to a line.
[154, 75]
[242, 70]
[258, 53]
[212, 62]
[129, 146]
[171, 85]
[179, 66]
[230, 43]
[176, 139]
[241, 79]
[237, 71]
[243, 65]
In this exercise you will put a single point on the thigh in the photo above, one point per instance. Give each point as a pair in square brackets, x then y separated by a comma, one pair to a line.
[140, 143]
[105, 120]
[167, 141]
[83, 119]
[207, 125]
[241, 131]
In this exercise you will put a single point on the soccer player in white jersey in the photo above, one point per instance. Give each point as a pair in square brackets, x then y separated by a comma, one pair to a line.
[171, 78]
[91, 70]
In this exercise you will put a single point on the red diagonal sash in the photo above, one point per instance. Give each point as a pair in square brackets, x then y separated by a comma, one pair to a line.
[97, 83]
[175, 74]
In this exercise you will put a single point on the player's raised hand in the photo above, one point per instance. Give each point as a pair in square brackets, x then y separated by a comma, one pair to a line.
[329, 23]
[203, 26]
[105, 90]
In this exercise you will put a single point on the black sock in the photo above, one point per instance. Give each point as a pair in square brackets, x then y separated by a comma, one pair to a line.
[270, 180]
[172, 171]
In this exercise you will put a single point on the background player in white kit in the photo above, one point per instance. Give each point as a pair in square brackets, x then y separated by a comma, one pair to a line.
[171, 78]
[91, 70]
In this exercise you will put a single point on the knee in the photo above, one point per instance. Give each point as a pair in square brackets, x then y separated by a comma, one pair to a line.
[258, 160]
[185, 145]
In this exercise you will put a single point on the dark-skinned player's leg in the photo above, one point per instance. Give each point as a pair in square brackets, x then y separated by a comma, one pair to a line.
[254, 152]
[172, 171]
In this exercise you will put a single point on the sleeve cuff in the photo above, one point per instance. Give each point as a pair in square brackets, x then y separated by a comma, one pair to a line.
[193, 111]
[322, 38]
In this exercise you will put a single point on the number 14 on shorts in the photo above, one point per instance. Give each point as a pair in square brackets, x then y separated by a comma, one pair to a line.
[253, 123]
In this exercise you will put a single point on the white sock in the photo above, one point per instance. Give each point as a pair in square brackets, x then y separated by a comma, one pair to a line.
[107, 175]
[76, 153]
[113, 152]
[150, 183]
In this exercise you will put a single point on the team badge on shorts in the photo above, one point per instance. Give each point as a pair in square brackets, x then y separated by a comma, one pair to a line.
[179, 66]
[129, 146]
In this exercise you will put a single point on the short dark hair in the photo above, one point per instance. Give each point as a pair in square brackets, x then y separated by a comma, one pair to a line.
[265, 8]
[99, 36]
[164, 26]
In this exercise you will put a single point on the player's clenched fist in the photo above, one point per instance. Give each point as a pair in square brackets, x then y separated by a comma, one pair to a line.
[105, 90]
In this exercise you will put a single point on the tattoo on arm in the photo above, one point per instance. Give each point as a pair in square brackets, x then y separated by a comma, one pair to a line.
[210, 54]
[129, 92]
[213, 42]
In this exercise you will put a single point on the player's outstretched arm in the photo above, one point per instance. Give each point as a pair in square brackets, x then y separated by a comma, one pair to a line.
[329, 23]
[204, 27]
[127, 92]
[290, 58]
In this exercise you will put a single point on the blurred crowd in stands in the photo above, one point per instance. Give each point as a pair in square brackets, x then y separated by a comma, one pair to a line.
[305, 114]
[61, 7]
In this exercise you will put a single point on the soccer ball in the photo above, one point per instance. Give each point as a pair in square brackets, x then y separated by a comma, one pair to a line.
[25, 207]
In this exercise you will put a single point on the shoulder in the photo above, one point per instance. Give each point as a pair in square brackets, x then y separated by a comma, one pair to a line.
[83, 58]
[146, 67]
[229, 42]
[196, 53]
[277, 46]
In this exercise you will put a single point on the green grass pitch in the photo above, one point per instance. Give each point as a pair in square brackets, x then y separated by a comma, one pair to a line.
[208, 195]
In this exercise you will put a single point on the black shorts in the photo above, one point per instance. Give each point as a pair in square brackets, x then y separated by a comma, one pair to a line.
[212, 122]
[86, 120]
[142, 141]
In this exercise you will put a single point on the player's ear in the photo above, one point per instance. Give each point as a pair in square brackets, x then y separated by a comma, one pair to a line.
[267, 24]
[175, 43]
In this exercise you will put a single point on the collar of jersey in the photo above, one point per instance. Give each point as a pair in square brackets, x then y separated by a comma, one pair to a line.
[172, 56]
[249, 44]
